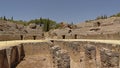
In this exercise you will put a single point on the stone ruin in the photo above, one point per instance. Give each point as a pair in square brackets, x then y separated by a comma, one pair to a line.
[61, 54]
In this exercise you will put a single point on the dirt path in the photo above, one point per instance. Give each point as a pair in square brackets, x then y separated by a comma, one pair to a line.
[36, 61]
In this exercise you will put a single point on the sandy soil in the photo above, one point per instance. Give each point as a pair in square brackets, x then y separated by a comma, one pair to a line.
[36, 61]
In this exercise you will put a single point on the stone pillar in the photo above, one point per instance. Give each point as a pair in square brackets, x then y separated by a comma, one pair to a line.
[8, 51]
[61, 59]
[14, 57]
[75, 36]
[3, 59]
[98, 62]
[82, 60]
[109, 59]
[21, 52]
[90, 56]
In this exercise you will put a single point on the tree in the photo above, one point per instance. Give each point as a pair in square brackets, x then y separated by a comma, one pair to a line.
[5, 18]
[48, 24]
[45, 25]
[58, 25]
[101, 17]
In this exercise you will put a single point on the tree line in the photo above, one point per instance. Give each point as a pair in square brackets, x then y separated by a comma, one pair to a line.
[104, 17]
[47, 24]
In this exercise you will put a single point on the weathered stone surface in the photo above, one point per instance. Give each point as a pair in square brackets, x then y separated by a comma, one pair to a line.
[54, 49]
[8, 51]
[61, 59]
[62, 54]
[36, 48]
[21, 52]
[90, 56]
[14, 58]
[3, 59]
[109, 59]
[37, 55]
[75, 46]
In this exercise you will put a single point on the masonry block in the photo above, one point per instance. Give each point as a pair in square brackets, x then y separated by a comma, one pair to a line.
[61, 59]
[109, 59]
[14, 57]
[90, 56]
[3, 59]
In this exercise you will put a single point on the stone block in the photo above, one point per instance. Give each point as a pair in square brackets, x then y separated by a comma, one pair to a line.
[3, 59]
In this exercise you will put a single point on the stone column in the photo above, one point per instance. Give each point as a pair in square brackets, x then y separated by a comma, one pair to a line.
[3, 59]
[98, 62]
[109, 59]
[61, 59]
[14, 57]
[21, 52]
[90, 56]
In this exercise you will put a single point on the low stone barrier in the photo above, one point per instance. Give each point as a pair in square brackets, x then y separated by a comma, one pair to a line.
[90, 55]
[109, 59]
[10, 57]
[65, 54]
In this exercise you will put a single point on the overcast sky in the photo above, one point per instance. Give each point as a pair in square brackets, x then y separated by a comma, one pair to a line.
[59, 10]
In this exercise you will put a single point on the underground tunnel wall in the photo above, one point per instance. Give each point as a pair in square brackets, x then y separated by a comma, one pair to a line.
[79, 54]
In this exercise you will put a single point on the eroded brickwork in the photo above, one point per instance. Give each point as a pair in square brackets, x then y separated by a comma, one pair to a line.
[61, 54]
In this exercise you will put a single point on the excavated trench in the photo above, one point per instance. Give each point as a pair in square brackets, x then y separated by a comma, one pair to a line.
[61, 54]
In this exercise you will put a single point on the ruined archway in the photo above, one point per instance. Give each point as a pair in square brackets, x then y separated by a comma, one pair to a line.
[34, 37]
[21, 36]
[63, 36]
[75, 36]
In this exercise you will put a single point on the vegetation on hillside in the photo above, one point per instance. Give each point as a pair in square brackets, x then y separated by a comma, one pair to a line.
[14, 21]
[116, 15]
[97, 18]
[47, 24]
[101, 17]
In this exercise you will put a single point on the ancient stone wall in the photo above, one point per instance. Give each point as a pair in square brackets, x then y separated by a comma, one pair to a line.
[115, 36]
[64, 54]
[91, 55]
[36, 48]
[20, 37]
[10, 57]
[61, 59]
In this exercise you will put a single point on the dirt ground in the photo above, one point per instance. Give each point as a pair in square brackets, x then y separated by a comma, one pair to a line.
[36, 61]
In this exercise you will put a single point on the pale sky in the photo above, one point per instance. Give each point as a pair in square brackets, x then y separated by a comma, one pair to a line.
[59, 10]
